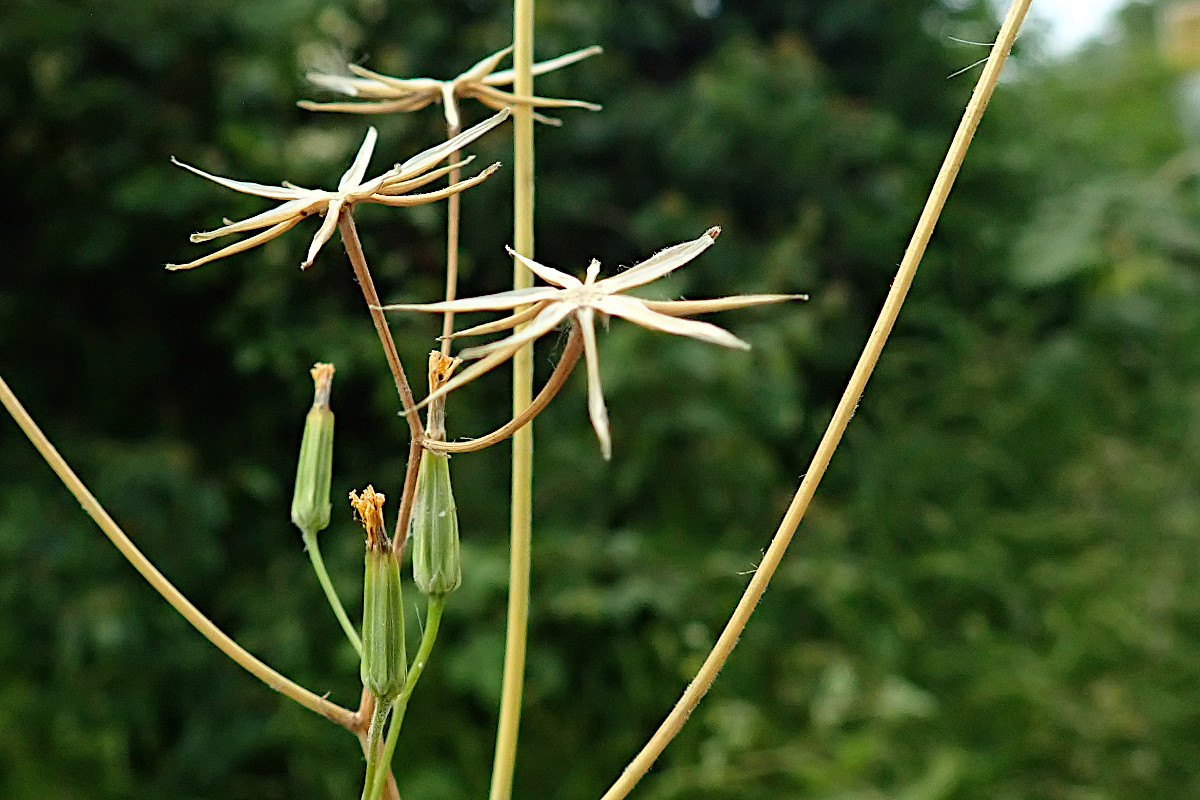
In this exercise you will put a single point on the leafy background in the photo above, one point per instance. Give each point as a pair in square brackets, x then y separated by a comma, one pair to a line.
[994, 594]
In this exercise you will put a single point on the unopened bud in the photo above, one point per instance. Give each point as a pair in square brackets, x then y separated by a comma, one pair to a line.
[310, 500]
[437, 562]
[384, 663]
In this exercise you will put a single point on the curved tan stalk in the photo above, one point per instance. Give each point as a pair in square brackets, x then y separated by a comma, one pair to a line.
[557, 378]
[223, 642]
[696, 690]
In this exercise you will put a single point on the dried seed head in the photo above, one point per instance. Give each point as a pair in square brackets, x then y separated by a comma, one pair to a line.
[314, 472]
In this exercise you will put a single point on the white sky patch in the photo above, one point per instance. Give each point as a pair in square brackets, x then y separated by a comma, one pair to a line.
[1073, 22]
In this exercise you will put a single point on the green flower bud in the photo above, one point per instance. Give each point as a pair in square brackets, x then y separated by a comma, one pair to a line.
[384, 663]
[310, 500]
[437, 563]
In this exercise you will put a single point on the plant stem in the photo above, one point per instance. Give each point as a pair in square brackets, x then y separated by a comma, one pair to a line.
[707, 673]
[521, 521]
[362, 725]
[433, 621]
[453, 214]
[223, 642]
[374, 736]
[335, 602]
[570, 357]
[359, 261]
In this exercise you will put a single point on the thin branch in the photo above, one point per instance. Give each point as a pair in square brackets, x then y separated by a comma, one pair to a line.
[555, 382]
[178, 601]
[359, 261]
[707, 673]
[453, 212]
[362, 727]
[521, 519]
[400, 534]
[433, 620]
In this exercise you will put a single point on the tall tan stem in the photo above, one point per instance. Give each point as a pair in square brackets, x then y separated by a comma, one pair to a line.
[707, 673]
[453, 216]
[521, 522]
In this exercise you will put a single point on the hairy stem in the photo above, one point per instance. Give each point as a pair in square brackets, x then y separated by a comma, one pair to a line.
[335, 602]
[433, 621]
[521, 521]
[223, 642]
[707, 673]
[563, 369]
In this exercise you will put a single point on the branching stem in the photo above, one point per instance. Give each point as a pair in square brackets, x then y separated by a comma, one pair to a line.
[433, 621]
[707, 673]
[210, 631]
[359, 261]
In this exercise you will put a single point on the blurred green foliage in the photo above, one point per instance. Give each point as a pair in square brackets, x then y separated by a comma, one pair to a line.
[993, 596]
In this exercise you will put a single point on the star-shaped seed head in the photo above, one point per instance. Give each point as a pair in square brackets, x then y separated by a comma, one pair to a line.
[380, 94]
[580, 301]
[392, 188]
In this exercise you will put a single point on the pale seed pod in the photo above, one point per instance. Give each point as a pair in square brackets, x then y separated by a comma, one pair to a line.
[384, 662]
[433, 529]
[314, 471]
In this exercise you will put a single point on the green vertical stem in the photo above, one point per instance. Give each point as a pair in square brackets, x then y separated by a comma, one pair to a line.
[335, 602]
[522, 454]
[374, 737]
[433, 621]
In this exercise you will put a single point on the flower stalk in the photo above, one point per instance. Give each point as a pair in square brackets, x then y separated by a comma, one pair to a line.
[521, 488]
[164, 587]
[699, 685]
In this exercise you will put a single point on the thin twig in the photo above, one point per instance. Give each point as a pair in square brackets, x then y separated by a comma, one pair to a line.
[178, 601]
[359, 261]
[555, 382]
[453, 212]
[707, 673]
[362, 717]
[433, 621]
[521, 519]
[313, 546]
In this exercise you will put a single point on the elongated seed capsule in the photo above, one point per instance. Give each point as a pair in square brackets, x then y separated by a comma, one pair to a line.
[383, 658]
[310, 500]
[437, 563]
[433, 527]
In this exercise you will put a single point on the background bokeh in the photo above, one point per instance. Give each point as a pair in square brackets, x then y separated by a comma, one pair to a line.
[995, 595]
